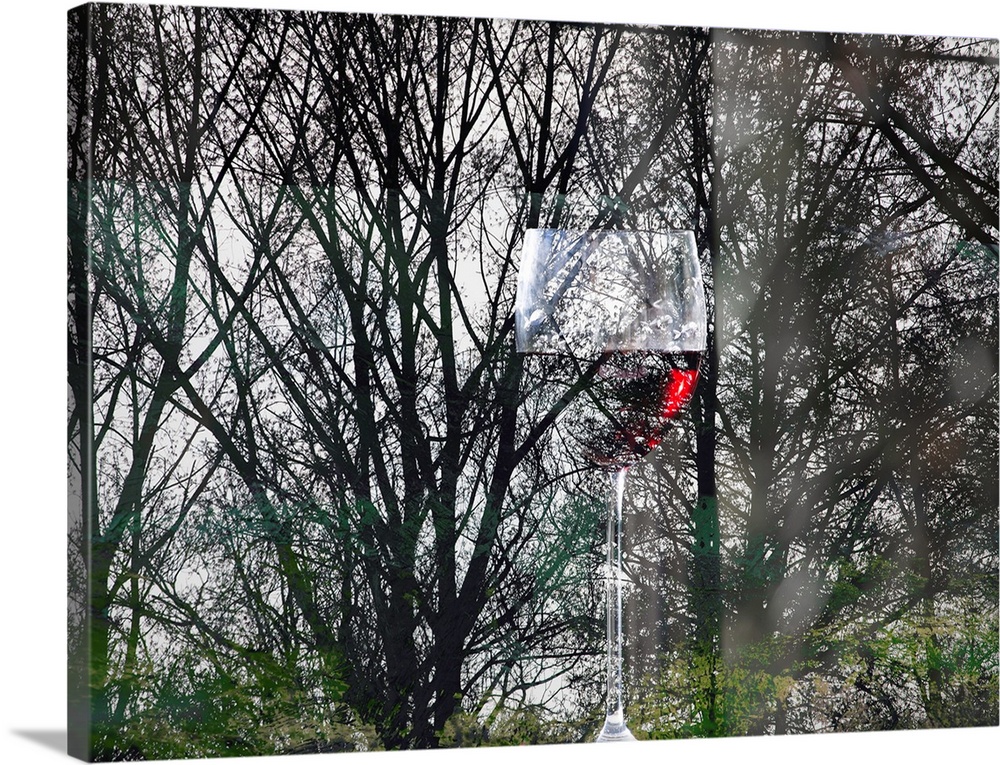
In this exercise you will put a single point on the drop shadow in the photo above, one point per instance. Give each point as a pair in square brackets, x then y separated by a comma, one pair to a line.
[50, 739]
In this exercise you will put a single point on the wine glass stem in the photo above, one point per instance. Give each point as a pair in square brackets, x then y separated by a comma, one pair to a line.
[615, 701]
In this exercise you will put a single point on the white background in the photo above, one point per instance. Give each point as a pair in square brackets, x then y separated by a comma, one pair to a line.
[32, 370]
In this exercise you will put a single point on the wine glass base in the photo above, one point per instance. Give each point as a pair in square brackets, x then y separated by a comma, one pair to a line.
[614, 732]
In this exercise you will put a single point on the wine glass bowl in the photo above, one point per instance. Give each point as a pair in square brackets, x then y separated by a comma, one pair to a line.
[639, 393]
[626, 311]
[585, 292]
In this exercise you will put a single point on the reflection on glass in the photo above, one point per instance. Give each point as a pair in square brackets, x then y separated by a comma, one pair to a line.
[627, 310]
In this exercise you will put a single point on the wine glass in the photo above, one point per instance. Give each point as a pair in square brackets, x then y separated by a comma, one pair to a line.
[625, 311]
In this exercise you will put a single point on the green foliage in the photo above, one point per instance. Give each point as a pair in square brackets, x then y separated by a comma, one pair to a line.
[867, 681]
[917, 672]
[203, 712]
[524, 726]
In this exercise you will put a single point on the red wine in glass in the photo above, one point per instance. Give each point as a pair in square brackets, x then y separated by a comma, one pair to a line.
[637, 395]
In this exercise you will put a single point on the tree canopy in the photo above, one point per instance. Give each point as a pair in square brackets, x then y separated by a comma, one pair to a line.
[324, 505]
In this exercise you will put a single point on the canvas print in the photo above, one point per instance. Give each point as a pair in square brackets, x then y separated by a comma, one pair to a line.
[455, 382]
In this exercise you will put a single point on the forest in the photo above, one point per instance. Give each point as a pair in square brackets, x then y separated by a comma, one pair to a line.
[319, 503]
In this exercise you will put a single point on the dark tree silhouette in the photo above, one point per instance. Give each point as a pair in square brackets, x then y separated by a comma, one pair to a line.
[321, 502]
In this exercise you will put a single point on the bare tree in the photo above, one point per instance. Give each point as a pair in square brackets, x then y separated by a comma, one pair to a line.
[319, 483]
